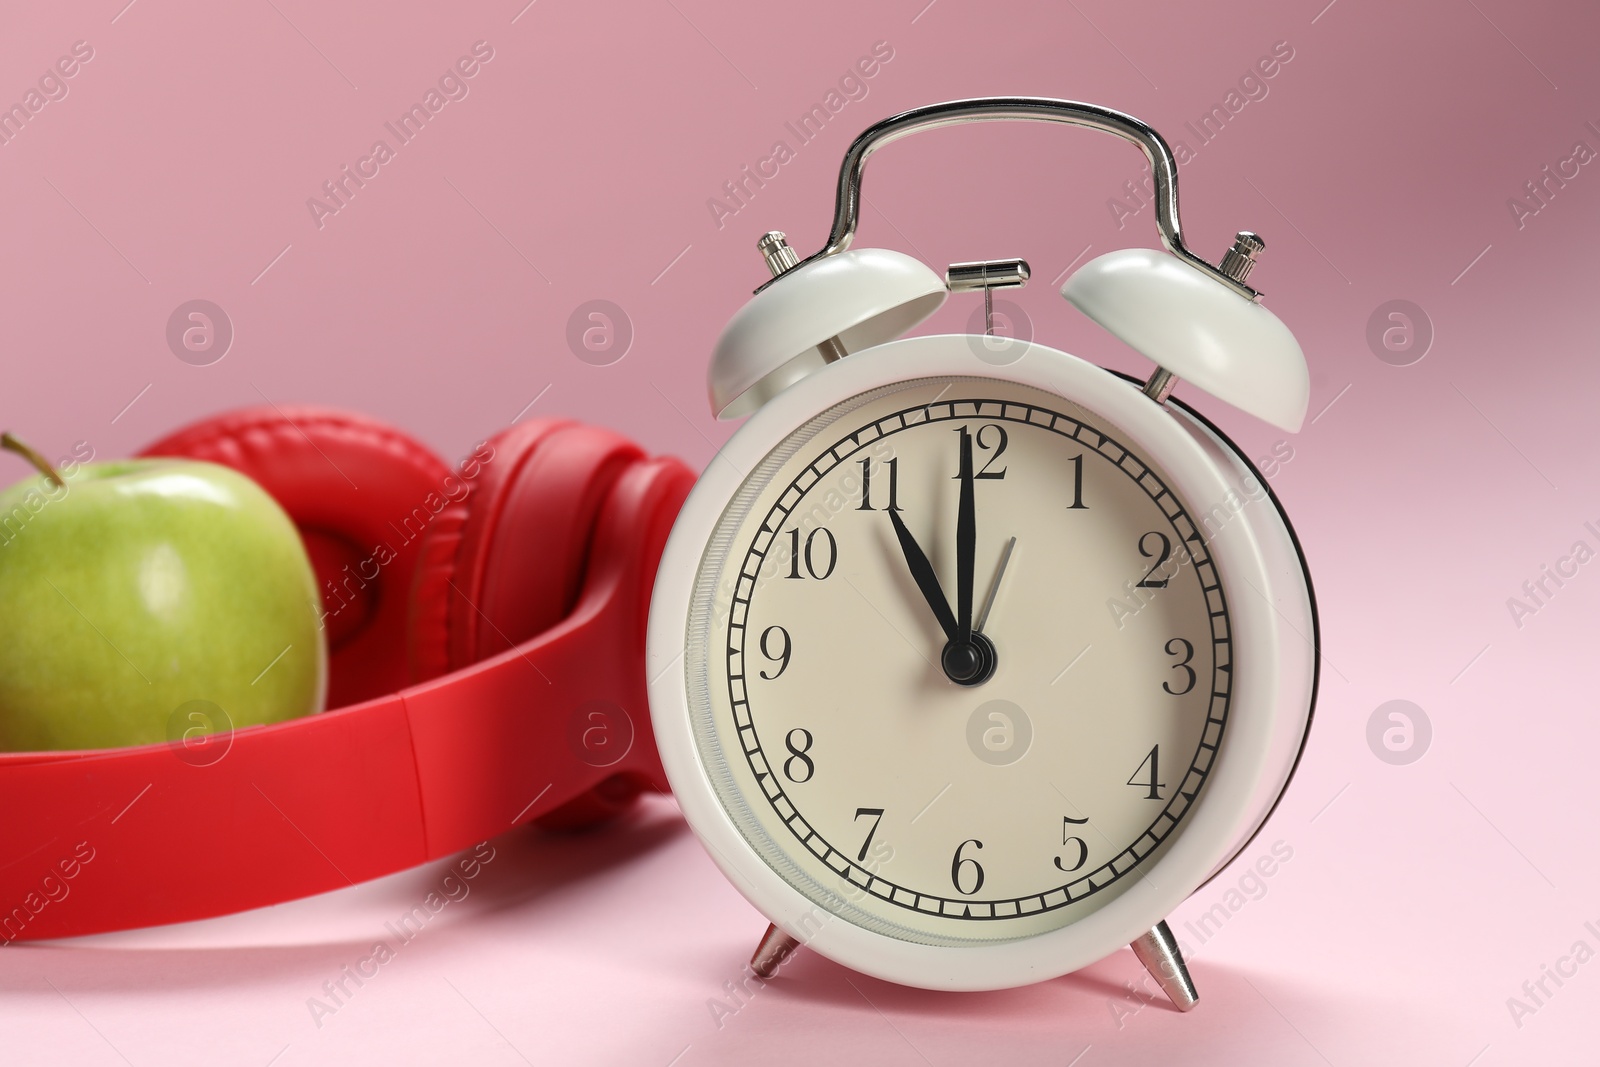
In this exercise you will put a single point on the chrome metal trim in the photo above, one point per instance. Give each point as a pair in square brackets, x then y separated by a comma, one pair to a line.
[1158, 951]
[1163, 167]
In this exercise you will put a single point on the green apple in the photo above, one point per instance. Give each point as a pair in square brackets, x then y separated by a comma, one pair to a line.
[130, 589]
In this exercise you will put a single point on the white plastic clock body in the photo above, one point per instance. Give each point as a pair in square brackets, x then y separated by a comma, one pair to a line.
[971, 659]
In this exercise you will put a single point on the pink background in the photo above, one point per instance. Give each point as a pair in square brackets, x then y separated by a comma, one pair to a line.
[1378, 166]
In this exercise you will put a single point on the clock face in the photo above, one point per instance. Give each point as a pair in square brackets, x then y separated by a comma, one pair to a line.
[952, 761]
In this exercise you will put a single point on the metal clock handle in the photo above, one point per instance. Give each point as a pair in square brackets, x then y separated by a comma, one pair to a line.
[1164, 169]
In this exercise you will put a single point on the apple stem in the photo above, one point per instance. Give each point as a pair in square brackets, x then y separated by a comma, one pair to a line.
[11, 444]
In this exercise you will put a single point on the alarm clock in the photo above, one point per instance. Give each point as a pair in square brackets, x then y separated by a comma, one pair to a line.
[970, 660]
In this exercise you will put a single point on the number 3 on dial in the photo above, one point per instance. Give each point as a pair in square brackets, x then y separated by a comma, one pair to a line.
[1184, 649]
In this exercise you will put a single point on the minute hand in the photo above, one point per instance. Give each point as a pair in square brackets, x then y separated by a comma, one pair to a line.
[922, 573]
[966, 546]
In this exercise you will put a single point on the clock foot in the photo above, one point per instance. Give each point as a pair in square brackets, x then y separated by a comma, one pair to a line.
[1158, 951]
[775, 947]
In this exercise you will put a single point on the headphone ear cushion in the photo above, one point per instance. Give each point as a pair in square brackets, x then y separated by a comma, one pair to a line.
[363, 495]
[508, 562]
[428, 639]
[428, 615]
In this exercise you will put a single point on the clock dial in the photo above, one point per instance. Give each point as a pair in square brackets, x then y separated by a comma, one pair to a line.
[903, 759]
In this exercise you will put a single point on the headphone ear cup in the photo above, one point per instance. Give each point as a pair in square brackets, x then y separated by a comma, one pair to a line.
[363, 495]
[507, 563]
[453, 541]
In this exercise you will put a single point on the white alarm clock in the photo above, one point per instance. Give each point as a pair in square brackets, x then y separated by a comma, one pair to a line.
[971, 660]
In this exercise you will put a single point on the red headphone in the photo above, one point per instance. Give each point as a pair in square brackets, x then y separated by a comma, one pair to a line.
[486, 629]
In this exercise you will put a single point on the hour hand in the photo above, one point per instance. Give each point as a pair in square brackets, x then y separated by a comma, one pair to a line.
[922, 573]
